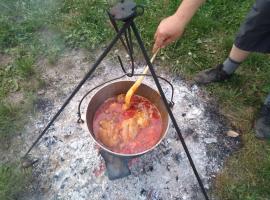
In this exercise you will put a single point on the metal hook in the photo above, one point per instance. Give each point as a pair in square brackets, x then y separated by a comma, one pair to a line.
[171, 104]
[80, 120]
[121, 64]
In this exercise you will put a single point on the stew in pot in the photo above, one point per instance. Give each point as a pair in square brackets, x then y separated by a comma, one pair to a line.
[127, 131]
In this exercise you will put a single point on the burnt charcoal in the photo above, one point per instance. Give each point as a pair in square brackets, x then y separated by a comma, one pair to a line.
[177, 157]
[168, 167]
[166, 152]
[83, 171]
[188, 132]
[143, 192]
[49, 141]
[150, 168]
[42, 104]
[176, 137]
[195, 137]
[57, 139]
[64, 183]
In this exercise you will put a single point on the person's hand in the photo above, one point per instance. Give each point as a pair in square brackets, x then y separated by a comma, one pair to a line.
[169, 30]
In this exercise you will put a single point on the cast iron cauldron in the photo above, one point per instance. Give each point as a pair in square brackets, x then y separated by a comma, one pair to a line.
[111, 90]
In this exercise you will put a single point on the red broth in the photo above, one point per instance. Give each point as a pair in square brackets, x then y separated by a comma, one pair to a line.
[127, 131]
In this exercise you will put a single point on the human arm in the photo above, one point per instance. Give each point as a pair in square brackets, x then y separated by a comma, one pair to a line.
[172, 27]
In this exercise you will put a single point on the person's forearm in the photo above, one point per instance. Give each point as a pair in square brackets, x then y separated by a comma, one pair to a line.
[187, 9]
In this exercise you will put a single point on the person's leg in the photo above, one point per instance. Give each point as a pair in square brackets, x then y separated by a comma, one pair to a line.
[238, 54]
[236, 57]
[262, 124]
[225, 70]
[253, 36]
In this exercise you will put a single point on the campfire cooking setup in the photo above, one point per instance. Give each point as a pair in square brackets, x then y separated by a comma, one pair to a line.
[126, 131]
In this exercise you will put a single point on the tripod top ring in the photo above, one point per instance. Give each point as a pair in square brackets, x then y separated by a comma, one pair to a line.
[124, 10]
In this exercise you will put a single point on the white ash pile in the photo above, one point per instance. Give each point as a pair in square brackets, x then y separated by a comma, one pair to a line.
[70, 167]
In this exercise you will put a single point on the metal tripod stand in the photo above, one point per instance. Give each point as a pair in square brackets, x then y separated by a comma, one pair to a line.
[126, 12]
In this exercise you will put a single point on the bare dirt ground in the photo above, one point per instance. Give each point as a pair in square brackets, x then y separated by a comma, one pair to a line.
[4, 59]
[70, 166]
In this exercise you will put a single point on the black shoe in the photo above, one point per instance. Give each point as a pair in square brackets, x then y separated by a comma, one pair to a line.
[216, 74]
[262, 124]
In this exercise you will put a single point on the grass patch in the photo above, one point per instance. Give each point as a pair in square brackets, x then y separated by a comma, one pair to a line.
[17, 85]
[247, 175]
[12, 118]
[7, 118]
[84, 23]
[21, 23]
[13, 181]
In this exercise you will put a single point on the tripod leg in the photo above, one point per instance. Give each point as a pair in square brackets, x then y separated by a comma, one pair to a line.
[147, 59]
[91, 71]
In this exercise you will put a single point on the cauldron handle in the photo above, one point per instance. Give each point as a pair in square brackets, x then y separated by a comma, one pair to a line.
[80, 120]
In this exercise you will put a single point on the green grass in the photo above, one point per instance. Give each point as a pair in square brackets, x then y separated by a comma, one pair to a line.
[13, 181]
[16, 78]
[247, 173]
[8, 117]
[84, 23]
[21, 26]
[21, 39]
[35, 28]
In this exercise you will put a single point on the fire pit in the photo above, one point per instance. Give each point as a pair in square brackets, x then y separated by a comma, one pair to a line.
[116, 163]
[125, 12]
